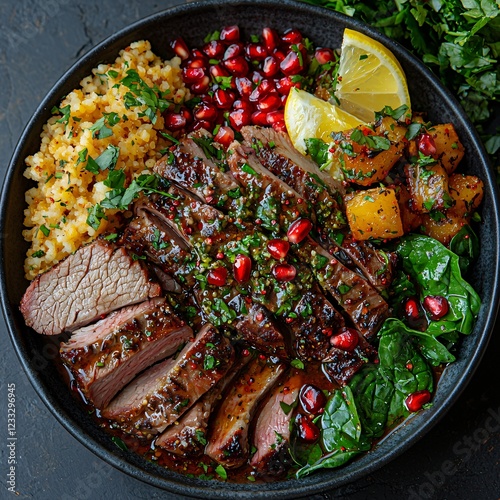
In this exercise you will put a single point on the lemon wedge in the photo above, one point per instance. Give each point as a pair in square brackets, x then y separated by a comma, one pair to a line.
[369, 77]
[308, 116]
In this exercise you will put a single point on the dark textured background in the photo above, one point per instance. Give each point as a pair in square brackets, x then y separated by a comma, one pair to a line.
[458, 459]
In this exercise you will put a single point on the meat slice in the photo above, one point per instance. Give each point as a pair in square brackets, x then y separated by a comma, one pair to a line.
[187, 437]
[97, 279]
[228, 443]
[106, 356]
[158, 397]
[272, 429]
[193, 165]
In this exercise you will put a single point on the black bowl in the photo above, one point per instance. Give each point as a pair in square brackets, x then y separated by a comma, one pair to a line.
[193, 21]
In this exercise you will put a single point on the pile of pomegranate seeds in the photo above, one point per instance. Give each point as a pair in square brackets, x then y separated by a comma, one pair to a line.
[238, 83]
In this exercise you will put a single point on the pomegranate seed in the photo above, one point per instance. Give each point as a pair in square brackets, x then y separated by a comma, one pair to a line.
[284, 272]
[256, 51]
[225, 136]
[224, 98]
[241, 104]
[437, 306]
[239, 118]
[324, 56]
[217, 277]
[275, 117]
[214, 49]
[411, 309]
[244, 86]
[415, 401]
[426, 145]
[270, 102]
[292, 36]
[206, 112]
[230, 34]
[278, 248]
[174, 121]
[218, 71]
[279, 126]
[191, 75]
[197, 63]
[180, 48]
[237, 66]
[284, 85]
[270, 39]
[259, 118]
[186, 113]
[264, 87]
[306, 430]
[202, 124]
[256, 77]
[270, 67]
[279, 55]
[298, 230]
[291, 64]
[311, 398]
[242, 268]
[346, 339]
[201, 86]
[235, 49]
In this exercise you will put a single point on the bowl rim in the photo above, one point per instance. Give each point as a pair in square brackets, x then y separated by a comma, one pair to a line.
[291, 489]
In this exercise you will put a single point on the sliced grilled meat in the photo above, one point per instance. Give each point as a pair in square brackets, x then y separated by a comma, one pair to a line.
[106, 356]
[228, 443]
[187, 437]
[158, 397]
[97, 279]
[325, 195]
[272, 430]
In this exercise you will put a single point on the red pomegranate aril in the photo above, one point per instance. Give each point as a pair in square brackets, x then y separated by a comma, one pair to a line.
[346, 339]
[239, 118]
[307, 430]
[201, 86]
[217, 277]
[191, 75]
[278, 248]
[174, 121]
[291, 64]
[284, 272]
[218, 71]
[256, 77]
[291, 36]
[270, 102]
[270, 67]
[244, 86]
[284, 85]
[224, 136]
[299, 230]
[256, 51]
[214, 49]
[279, 126]
[235, 49]
[437, 306]
[180, 48]
[264, 87]
[274, 117]
[198, 54]
[242, 104]
[224, 98]
[201, 124]
[186, 113]
[259, 118]
[196, 63]
[237, 66]
[311, 398]
[230, 34]
[279, 55]
[242, 268]
[411, 309]
[426, 145]
[206, 112]
[324, 55]
[415, 401]
[270, 38]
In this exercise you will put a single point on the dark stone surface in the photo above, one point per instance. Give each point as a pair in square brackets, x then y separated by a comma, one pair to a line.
[459, 458]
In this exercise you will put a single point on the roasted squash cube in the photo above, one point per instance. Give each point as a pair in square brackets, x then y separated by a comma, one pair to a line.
[442, 226]
[411, 220]
[374, 213]
[467, 191]
[449, 149]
